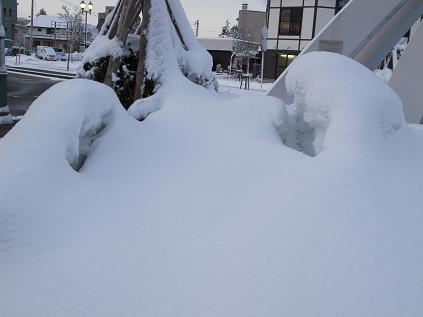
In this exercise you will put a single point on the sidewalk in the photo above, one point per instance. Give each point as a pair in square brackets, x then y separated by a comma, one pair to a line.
[35, 63]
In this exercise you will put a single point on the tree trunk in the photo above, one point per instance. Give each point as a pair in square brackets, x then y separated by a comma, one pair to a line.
[141, 71]
[125, 19]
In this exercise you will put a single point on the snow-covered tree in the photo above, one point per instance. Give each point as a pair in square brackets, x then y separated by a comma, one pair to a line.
[73, 27]
[42, 12]
[137, 65]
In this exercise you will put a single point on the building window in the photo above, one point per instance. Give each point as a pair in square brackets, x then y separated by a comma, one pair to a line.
[340, 4]
[40, 30]
[284, 60]
[10, 12]
[290, 21]
[50, 31]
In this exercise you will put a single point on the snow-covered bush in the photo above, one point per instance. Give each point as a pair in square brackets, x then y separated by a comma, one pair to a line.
[164, 42]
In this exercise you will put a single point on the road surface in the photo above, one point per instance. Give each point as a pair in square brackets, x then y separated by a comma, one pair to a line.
[22, 90]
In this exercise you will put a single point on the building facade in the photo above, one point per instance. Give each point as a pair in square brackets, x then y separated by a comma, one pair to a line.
[48, 31]
[250, 23]
[20, 33]
[9, 14]
[102, 16]
[292, 25]
[56, 32]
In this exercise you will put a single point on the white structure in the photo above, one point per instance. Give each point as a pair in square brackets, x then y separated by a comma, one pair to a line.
[382, 23]
[292, 25]
[407, 79]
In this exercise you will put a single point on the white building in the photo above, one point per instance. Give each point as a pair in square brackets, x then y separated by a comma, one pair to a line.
[55, 31]
[292, 25]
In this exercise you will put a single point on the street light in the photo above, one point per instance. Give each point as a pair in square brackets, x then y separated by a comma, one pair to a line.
[86, 9]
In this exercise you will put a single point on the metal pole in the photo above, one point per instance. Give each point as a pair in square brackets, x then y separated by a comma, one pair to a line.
[68, 43]
[4, 109]
[86, 18]
[198, 27]
[262, 70]
[31, 44]
[55, 36]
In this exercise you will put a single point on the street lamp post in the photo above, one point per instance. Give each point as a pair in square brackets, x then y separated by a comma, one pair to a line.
[86, 9]
[4, 109]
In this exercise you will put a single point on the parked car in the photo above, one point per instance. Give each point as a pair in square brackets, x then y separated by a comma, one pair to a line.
[61, 56]
[77, 56]
[46, 52]
[7, 52]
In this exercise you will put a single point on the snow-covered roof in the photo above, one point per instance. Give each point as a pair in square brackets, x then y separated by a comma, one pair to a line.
[222, 43]
[217, 43]
[47, 21]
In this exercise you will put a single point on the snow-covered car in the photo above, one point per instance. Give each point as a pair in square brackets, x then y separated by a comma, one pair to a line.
[7, 52]
[46, 52]
[61, 56]
[77, 56]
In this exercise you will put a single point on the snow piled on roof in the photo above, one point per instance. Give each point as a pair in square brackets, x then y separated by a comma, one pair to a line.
[47, 21]
[201, 210]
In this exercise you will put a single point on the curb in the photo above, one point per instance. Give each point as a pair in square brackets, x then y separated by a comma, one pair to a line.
[40, 72]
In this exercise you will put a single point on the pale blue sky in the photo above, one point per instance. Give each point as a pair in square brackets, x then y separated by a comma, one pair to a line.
[211, 13]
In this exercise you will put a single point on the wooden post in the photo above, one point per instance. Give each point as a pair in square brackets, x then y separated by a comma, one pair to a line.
[141, 70]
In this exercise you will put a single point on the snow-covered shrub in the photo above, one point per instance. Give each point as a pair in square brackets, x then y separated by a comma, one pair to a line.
[95, 63]
[61, 125]
[170, 49]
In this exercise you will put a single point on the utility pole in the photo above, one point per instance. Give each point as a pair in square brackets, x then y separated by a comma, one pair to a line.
[86, 19]
[4, 109]
[31, 32]
[68, 44]
[55, 34]
[197, 29]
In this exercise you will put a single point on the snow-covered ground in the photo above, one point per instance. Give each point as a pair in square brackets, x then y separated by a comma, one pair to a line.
[215, 205]
[35, 63]
[232, 85]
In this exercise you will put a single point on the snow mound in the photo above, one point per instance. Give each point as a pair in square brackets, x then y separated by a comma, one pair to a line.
[201, 210]
[58, 128]
[334, 110]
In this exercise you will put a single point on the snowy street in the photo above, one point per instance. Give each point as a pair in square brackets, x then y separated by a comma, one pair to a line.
[23, 90]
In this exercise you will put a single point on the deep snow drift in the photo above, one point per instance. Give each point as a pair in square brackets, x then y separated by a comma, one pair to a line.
[202, 210]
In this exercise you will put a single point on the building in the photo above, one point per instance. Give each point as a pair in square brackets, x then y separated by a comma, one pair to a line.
[102, 16]
[56, 32]
[292, 25]
[9, 11]
[220, 49]
[223, 49]
[250, 23]
[48, 31]
[20, 33]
